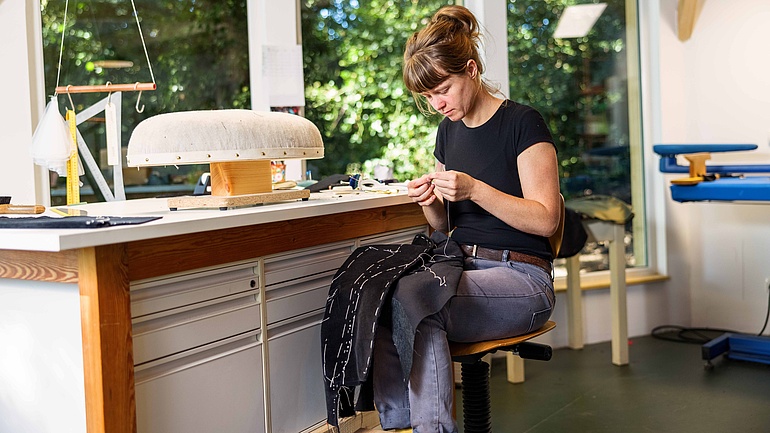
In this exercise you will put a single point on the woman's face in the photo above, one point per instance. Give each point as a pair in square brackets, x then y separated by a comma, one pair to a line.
[455, 96]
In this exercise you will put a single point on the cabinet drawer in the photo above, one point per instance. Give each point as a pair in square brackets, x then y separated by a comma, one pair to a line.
[153, 296]
[397, 237]
[309, 261]
[296, 376]
[297, 297]
[162, 334]
[216, 389]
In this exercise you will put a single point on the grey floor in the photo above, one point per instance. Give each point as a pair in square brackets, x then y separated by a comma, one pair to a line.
[665, 388]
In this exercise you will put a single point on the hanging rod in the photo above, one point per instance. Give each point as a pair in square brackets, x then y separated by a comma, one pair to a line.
[105, 88]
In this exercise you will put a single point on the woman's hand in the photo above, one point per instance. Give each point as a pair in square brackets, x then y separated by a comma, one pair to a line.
[453, 185]
[421, 190]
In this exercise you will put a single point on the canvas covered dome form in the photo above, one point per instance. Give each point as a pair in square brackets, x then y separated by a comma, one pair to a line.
[238, 145]
[202, 137]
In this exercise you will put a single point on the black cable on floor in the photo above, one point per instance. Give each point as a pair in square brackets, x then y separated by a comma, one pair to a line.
[698, 335]
[768, 312]
[683, 334]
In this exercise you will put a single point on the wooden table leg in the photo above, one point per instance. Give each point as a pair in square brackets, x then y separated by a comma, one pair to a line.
[574, 303]
[107, 341]
[618, 296]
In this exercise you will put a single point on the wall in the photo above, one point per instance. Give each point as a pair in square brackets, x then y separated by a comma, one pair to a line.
[707, 89]
[40, 323]
[713, 91]
[22, 101]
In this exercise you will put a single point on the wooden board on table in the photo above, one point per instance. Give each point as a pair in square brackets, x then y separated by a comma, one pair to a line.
[226, 202]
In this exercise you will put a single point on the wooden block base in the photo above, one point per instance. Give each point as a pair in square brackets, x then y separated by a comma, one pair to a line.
[227, 202]
[359, 423]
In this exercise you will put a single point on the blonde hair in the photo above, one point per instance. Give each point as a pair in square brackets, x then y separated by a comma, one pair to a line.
[441, 49]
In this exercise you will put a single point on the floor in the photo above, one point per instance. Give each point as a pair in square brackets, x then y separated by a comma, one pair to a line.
[664, 389]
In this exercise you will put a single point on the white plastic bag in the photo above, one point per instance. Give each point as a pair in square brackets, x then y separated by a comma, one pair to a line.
[51, 143]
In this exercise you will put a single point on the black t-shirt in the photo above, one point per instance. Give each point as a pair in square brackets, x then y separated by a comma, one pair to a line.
[489, 153]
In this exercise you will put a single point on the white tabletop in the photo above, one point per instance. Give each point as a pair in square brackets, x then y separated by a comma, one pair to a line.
[186, 220]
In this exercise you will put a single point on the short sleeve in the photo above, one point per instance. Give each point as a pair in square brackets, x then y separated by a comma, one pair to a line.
[441, 141]
[531, 130]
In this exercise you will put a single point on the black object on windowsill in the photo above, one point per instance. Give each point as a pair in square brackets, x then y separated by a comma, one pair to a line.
[328, 182]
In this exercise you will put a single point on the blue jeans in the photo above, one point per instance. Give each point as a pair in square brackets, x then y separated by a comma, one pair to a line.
[494, 300]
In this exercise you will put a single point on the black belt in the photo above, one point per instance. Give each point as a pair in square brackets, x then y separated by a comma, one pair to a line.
[505, 255]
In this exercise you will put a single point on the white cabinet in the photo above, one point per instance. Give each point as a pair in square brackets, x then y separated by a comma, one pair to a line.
[237, 348]
[198, 352]
[296, 287]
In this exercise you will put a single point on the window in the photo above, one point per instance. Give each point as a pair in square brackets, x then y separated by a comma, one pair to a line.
[583, 88]
[199, 55]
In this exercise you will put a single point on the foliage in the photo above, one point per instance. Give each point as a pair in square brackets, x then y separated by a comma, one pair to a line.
[354, 90]
[355, 94]
[198, 53]
[571, 81]
[352, 55]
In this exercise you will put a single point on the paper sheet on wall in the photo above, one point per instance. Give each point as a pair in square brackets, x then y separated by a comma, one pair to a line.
[282, 74]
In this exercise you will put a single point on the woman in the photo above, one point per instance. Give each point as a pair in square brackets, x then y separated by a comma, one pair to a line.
[495, 191]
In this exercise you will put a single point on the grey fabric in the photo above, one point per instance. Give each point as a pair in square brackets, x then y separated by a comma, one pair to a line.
[493, 300]
[424, 292]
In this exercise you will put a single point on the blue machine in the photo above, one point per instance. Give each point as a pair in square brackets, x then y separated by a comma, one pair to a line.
[719, 183]
[713, 182]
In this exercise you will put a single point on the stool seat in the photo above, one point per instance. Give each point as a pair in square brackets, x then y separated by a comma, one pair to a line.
[490, 346]
[475, 372]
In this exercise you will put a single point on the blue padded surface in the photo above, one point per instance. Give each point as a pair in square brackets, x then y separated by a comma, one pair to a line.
[682, 149]
[753, 188]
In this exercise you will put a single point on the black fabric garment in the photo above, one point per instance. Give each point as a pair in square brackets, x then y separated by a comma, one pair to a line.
[489, 153]
[360, 290]
[575, 235]
[71, 222]
[360, 300]
[605, 208]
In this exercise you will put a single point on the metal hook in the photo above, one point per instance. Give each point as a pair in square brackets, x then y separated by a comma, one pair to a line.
[109, 95]
[70, 96]
[138, 110]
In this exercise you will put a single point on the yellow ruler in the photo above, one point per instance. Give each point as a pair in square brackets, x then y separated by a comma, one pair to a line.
[73, 181]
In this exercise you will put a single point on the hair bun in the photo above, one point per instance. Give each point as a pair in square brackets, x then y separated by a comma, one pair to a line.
[461, 18]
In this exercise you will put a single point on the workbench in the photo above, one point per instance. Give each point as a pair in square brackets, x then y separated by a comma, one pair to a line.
[203, 320]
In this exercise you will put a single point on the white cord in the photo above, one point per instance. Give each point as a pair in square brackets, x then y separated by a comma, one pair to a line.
[64, 29]
[146, 56]
[61, 49]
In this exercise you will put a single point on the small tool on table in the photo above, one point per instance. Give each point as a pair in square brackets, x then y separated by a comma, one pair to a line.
[7, 208]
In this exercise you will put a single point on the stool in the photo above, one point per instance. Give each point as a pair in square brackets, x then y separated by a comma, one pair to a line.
[477, 417]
